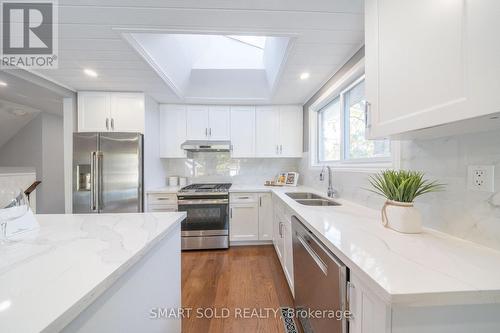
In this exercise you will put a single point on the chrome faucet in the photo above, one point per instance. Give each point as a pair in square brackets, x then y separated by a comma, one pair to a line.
[331, 191]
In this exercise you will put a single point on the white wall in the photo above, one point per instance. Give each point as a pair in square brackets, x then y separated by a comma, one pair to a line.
[154, 173]
[40, 145]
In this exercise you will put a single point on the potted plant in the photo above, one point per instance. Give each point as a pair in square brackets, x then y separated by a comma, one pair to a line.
[400, 188]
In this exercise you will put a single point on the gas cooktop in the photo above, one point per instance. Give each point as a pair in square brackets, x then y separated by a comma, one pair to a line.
[206, 188]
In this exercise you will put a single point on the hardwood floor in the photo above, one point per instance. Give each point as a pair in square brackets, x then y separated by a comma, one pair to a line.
[241, 277]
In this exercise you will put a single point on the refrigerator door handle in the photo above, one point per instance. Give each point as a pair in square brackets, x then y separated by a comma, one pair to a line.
[98, 177]
[93, 205]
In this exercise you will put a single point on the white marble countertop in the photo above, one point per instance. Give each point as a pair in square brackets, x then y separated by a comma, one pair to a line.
[46, 280]
[431, 268]
[166, 189]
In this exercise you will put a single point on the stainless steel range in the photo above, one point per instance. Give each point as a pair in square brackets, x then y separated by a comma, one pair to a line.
[207, 222]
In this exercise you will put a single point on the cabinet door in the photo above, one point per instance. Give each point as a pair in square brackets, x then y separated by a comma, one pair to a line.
[278, 237]
[127, 112]
[267, 131]
[265, 217]
[172, 130]
[369, 313]
[290, 121]
[219, 122]
[244, 222]
[416, 67]
[243, 131]
[288, 252]
[93, 112]
[197, 122]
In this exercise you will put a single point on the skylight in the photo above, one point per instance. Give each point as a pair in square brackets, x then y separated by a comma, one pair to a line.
[256, 41]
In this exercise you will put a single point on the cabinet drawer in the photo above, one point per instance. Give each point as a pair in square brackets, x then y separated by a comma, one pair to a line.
[162, 199]
[243, 197]
[162, 208]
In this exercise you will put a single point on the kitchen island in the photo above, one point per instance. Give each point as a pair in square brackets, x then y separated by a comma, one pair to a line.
[92, 273]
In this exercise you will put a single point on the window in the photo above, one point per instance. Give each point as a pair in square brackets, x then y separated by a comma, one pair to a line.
[341, 130]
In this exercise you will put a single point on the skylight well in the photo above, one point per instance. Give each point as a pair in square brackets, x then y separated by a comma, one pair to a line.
[214, 66]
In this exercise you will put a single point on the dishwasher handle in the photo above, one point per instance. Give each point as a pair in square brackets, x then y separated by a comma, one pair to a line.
[305, 244]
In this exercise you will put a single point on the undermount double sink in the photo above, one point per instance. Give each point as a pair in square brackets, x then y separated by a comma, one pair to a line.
[311, 199]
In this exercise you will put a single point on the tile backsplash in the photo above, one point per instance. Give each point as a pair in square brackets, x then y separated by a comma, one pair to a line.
[458, 211]
[220, 167]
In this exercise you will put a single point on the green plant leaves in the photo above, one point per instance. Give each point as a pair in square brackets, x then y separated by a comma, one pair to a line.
[402, 185]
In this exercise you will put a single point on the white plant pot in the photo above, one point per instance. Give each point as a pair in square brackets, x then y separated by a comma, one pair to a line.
[402, 217]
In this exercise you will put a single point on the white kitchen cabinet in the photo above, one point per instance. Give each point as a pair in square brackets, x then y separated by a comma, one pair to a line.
[278, 240]
[267, 122]
[427, 63]
[219, 125]
[370, 314]
[93, 111]
[161, 202]
[197, 122]
[265, 216]
[290, 133]
[243, 131]
[278, 131]
[111, 112]
[244, 222]
[172, 130]
[206, 122]
[127, 112]
[288, 251]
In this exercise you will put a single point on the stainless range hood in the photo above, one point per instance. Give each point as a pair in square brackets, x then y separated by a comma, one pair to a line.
[206, 146]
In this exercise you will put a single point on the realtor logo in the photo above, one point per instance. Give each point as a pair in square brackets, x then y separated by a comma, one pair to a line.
[29, 34]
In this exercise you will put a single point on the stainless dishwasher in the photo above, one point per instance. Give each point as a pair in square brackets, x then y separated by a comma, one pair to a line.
[320, 283]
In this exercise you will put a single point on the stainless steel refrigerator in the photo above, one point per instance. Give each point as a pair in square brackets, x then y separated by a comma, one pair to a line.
[107, 172]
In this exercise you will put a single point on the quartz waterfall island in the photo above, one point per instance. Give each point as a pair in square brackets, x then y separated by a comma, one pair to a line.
[92, 273]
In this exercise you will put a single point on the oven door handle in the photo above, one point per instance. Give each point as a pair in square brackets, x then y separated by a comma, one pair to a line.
[202, 202]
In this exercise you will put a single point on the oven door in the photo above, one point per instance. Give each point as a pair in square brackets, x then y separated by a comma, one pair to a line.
[205, 216]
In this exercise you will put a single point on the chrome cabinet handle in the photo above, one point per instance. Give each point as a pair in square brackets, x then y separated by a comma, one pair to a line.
[367, 115]
[206, 131]
[281, 149]
[107, 124]
[243, 197]
[260, 201]
[113, 124]
[277, 149]
[210, 131]
[231, 212]
[281, 230]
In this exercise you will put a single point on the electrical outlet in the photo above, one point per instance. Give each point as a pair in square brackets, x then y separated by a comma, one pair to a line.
[481, 178]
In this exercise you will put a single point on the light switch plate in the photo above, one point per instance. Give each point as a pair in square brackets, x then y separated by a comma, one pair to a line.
[481, 178]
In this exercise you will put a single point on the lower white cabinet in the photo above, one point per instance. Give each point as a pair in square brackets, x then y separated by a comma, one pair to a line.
[265, 217]
[250, 217]
[370, 314]
[161, 202]
[244, 225]
[282, 239]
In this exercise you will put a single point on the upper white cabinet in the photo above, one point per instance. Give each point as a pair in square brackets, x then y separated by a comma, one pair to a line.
[219, 122]
[173, 130]
[197, 122]
[105, 112]
[279, 131]
[208, 122]
[428, 63]
[243, 131]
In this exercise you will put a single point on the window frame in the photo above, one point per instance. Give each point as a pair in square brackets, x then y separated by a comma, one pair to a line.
[349, 80]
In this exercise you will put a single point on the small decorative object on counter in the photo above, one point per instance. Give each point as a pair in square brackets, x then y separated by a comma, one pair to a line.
[292, 178]
[281, 180]
[400, 188]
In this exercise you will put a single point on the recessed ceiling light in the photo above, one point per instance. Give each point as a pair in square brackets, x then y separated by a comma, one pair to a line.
[3, 84]
[90, 72]
[304, 76]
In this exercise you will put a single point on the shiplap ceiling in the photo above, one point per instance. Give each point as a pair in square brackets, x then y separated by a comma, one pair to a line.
[326, 33]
